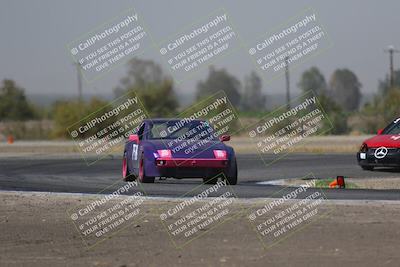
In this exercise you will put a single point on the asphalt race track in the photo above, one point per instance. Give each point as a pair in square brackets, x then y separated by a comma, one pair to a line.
[72, 175]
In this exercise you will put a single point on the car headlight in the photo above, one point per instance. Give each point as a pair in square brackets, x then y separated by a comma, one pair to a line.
[220, 154]
[364, 148]
[164, 153]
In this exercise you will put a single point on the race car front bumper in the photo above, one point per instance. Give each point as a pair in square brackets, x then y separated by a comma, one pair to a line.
[191, 163]
[368, 158]
[188, 167]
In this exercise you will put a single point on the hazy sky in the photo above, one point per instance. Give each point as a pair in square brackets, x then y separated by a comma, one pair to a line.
[34, 35]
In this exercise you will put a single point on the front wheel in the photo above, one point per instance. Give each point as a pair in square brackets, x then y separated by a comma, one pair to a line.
[210, 180]
[142, 173]
[231, 172]
[126, 175]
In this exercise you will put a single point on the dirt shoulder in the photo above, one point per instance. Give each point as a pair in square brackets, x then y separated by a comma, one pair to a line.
[241, 144]
[36, 231]
[313, 144]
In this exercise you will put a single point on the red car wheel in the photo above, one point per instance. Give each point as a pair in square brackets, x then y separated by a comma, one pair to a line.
[125, 172]
[124, 168]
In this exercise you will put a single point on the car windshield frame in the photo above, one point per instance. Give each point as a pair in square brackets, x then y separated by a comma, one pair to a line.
[193, 124]
[395, 125]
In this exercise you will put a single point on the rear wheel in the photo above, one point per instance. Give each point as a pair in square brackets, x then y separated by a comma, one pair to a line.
[142, 173]
[367, 168]
[231, 172]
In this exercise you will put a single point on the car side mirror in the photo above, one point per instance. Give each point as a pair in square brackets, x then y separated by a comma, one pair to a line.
[380, 131]
[134, 137]
[225, 138]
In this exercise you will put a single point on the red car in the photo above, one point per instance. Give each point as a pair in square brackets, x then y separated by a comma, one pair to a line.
[382, 150]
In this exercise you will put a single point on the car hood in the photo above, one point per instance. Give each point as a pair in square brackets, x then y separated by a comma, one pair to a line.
[179, 150]
[386, 140]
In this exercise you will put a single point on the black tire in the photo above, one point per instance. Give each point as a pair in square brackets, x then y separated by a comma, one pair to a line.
[142, 173]
[367, 168]
[210, 180]
[231, 172]
[128, 177]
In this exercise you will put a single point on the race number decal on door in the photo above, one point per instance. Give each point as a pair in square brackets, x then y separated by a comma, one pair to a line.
[134, 151]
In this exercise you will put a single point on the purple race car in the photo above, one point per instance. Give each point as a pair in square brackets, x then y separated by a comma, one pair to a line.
[178, 148]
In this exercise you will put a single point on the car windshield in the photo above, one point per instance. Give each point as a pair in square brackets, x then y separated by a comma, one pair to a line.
[393, 128]
[180, 129]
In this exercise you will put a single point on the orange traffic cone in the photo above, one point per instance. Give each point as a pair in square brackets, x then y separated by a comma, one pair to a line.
[338, 183]
[10, 139]
[333, 184]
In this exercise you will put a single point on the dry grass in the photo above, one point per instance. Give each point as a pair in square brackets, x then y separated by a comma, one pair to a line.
[376, 183]
[318, 144]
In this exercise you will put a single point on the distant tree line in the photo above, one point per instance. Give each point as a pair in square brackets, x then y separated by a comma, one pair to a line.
[340, 97]
[13, 103]
[384, 107]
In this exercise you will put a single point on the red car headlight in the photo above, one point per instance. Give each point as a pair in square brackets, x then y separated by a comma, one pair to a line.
[164, 153]
[220, 154]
